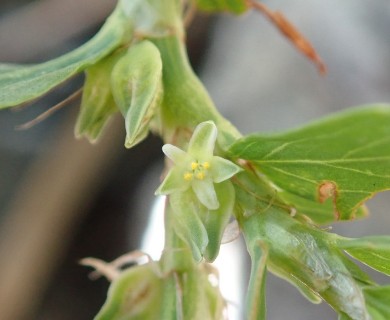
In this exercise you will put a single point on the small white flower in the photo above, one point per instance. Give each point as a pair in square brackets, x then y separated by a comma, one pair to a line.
[198, 168]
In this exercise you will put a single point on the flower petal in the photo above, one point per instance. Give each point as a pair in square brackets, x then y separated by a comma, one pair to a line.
[204, 190]
[174, 153]
[203, 140]
[173, 182]
[222, 169]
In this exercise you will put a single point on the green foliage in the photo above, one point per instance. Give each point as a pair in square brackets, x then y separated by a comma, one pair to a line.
[279, 187]
[233, 6]
[320, 213]
[97, 104]
[378, 302]
[137, 89]
[344, 158]
[373, 251]
[307, 257]
[23, 83]
[144, 292]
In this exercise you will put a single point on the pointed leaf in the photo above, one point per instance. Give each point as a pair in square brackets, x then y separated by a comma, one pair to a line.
[136, 86]
[373, 251]
[97, 104]
[344, 159]
[24, 83]
[217, 220]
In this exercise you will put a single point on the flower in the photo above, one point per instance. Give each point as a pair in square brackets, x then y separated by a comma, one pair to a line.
[197, 168]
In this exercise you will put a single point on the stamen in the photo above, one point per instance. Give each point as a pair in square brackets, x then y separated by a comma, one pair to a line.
[194, 165]
[206, 165]
[188, 176]
[200, 175]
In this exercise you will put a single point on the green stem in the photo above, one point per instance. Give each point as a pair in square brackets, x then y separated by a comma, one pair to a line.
[177, 256]
[186, 102]
[176, 260]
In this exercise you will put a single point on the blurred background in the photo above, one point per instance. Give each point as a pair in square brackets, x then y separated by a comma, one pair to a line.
[62, 199]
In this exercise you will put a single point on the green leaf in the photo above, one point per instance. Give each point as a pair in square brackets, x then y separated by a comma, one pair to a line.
[9, 67]
[373, 251]
[97, 104]
[216, 221]
[378, 301]
[344, 159]
[253, 195]
[303, 254]
[136, 82]
[23, 83]
[234, 6]
[320, 213]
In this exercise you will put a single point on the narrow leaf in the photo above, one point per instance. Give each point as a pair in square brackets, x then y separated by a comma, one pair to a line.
[343, 159]
[23, 83]
[136, 82]
[373, 251]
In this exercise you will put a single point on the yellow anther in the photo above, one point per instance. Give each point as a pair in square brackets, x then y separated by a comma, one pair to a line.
[200, 175]
[194, 165]
[188, 176]
[206, 165]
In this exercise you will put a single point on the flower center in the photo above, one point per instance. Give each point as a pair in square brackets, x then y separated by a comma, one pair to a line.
[198, 170]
